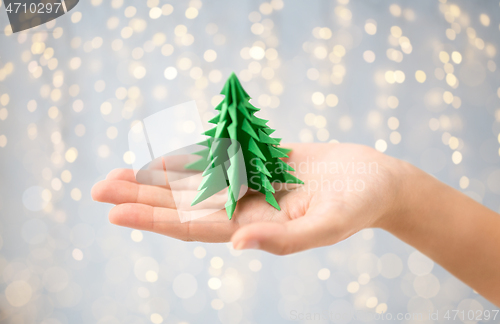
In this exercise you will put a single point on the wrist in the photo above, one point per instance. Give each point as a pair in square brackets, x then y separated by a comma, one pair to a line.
[408, 182]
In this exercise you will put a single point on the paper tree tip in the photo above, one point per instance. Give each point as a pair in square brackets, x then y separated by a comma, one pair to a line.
[234, 79]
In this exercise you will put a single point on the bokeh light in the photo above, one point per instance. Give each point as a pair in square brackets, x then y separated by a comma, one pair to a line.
[422, 90]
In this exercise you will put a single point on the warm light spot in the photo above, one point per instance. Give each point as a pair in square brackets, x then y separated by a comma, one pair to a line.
[395, 138]
[332, 100]
[199, 252]
[32, 105]
[257, 28]
[53, 112]
[339, 50]
[216, 262]
[451, 79]
[257, 52]
[447, 97]
[395, 10]
[130, 11]
[156, 12]
[345, 123]
[448, 68]
[191, 13]
[170, 73]
[255, 265]
[453, 142]
[136, 236]
[71, 155]
[471, 32]
[276, 88]
[151, 276]
[4, 99]
[456, 157]
[76, 17]
[320, 52]
[167, 9]
[214, 283]
[216, 100]
[396, 31]
[371, 27]
[106, 108]
[66, 176]
[266, 8]
[217, 304]
[167, 50]
[371, 302]
[364, 278]
[210, 55]
[381, 145]
[325, 33]
[129, 157]
[420, 76]
[75, 63]
[112, 22]
[484, 19]
[444, 57]
[76, 194]
[139, 72]
[457, 102]
[8, 30]
[381, 308]
[271, 54]
[353, 287]
[324, 274]
[393, 123]
[464, 182]
[392, 102]
[112, 132]
[399, 76]
[389, 77]
[456, 57]
[434, 124]
[451, 34]
[18, 293]
[3, 140]
[126, 32]
[156, 318]
[4, 113]
[77, 254]
[318, 98]
[369, 56]
[309, 119]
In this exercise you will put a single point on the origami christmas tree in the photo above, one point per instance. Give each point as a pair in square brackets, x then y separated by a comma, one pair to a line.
[261, 153]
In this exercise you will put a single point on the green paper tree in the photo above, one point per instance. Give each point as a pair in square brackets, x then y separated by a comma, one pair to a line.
[261, 153]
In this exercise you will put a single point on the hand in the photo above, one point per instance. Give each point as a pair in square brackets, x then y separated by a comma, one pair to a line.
[347, 188]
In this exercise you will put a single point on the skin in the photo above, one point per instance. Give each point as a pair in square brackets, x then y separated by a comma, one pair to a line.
[455, 231]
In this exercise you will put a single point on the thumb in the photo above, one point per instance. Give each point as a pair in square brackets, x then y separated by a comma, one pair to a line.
[314, 229]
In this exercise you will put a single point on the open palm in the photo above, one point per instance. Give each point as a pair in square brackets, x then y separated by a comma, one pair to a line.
[347, 187]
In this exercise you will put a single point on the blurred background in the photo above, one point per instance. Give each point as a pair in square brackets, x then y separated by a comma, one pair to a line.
[417, 80]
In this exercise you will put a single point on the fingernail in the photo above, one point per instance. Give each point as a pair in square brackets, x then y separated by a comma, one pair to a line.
[246, 245]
